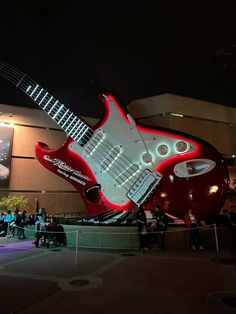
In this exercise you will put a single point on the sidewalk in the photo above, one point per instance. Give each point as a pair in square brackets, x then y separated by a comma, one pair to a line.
[40, 281]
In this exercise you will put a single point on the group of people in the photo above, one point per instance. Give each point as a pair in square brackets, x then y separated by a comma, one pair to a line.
[11, 222]
[149, 232]
[47, 229]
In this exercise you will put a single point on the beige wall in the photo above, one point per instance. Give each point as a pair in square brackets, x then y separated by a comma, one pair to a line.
[28, 177]
[212, 122]
[220, 135]
[166, 103]
[25, 139]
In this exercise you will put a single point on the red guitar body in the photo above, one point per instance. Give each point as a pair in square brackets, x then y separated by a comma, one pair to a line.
[192, 173]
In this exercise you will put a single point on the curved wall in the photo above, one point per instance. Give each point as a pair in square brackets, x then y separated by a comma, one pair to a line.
[212, 122]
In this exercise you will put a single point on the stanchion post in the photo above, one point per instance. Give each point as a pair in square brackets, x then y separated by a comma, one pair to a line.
[216, 238]
[76, 247]
[8, 231]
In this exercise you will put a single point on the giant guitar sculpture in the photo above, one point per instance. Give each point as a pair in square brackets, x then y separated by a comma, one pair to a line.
[120, 165]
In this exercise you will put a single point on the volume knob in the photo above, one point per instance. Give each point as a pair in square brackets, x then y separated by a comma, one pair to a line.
[147, 158]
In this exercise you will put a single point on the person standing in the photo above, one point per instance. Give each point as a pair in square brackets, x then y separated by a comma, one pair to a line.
[40, 225]
[142, 228]
[233, 221]
[17, 222]
[192, 226]
[9, 223]
[21, 232]
[2, 230]
[161, 224]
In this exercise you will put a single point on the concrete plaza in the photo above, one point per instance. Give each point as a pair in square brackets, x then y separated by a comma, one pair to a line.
[57, 280]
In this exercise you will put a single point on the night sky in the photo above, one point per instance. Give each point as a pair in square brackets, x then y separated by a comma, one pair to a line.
[73, 50]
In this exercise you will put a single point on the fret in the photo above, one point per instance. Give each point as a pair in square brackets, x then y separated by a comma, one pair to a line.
[70, 123]
[58, 111]
[75, 126]
[45, 95]
[86, 129]
[38, 94]
[17, 85]
[50, 99]
[53, 107]
[34, 90]
[67, 120]
[81, 130]
[63, 116]
[71, 131]
[80, 127]
[28, 88]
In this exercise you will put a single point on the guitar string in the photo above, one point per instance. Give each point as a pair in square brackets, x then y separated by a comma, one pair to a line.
[102, 154]
[24, 89]
[18, 83]
[118, 175]
[14, 76]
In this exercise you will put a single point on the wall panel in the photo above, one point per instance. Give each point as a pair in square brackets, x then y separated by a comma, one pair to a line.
[25, 139]
[29, 174]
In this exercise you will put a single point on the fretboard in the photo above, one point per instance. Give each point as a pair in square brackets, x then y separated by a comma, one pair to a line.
[77, 129]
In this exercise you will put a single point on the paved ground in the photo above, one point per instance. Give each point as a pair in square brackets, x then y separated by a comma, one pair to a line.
[34, 281]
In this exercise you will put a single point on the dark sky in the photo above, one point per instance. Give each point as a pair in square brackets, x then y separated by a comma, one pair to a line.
[73, 50]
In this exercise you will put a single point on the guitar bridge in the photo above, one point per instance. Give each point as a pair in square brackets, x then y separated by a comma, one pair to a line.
[143, 186]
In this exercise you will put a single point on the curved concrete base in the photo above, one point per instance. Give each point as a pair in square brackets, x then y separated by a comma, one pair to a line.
[121, 237]
[110, 237]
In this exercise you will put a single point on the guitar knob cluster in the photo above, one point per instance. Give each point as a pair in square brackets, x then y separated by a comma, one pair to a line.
[180, 147]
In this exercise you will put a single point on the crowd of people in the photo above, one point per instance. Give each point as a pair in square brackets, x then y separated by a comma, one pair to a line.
[12, 224]
[150, 231]
[156, 227]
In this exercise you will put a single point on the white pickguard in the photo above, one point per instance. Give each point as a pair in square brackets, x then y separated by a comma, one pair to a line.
[122, 140]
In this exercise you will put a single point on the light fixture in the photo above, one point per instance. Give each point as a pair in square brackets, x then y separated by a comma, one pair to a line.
[7, 124]
[177, 114]
[214, 189]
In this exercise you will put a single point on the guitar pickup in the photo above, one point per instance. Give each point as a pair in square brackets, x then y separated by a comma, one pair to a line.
[143, 186]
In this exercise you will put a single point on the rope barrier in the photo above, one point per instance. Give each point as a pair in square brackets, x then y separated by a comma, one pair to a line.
[79, 233]
[102, 232]
[149, 232]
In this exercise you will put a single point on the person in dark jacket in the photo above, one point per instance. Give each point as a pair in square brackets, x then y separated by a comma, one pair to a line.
[21, 225]
[142, 228]
[192, 226]
[161, 224]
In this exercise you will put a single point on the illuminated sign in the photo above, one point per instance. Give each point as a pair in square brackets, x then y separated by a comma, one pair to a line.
[6, 138]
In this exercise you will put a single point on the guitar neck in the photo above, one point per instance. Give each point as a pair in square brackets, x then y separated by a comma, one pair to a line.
[77, 129]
